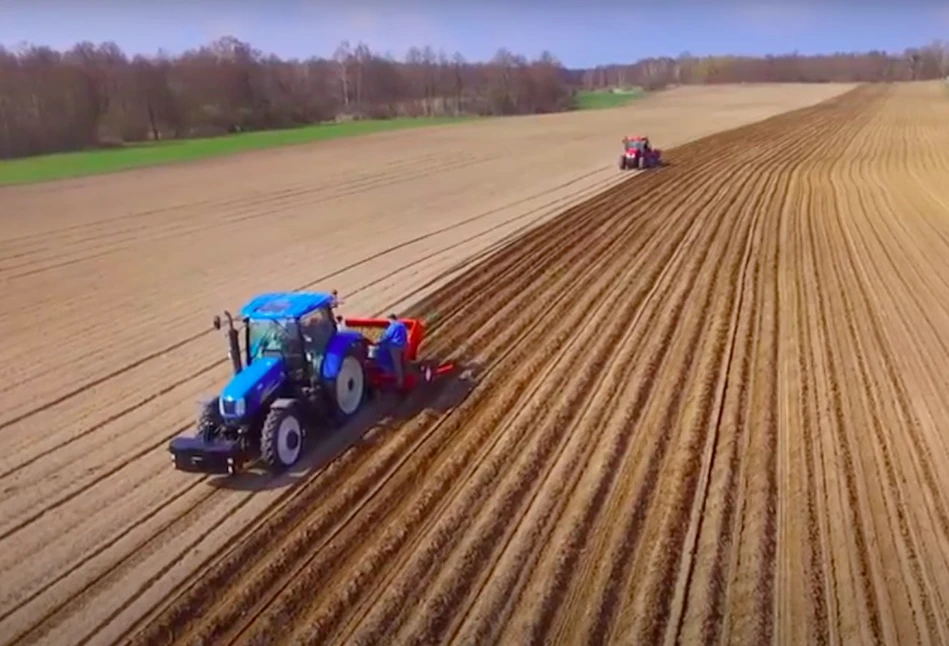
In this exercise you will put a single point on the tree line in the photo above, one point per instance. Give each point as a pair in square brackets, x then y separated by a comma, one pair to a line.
[97, 95]
[923, 63]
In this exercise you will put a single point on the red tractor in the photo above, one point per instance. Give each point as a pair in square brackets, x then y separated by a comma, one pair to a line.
[639, 154]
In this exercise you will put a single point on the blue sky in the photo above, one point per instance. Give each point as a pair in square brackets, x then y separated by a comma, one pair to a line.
[579, 33]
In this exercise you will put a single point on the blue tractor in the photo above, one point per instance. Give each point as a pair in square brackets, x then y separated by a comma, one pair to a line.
[297, 369]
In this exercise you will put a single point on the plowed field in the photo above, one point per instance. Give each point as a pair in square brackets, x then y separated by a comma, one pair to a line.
[706, 405]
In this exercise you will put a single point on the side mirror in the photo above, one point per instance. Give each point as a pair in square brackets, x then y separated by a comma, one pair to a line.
[216, 322]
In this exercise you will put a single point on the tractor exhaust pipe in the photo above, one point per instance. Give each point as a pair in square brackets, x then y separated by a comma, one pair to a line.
[233, 346]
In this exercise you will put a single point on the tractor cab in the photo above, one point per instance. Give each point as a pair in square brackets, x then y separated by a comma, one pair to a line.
[636, 144]
[295, 328]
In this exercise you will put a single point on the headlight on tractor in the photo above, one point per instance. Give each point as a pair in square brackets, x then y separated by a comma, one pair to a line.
[233, 407]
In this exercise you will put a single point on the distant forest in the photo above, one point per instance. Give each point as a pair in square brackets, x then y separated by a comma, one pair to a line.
[96, 95]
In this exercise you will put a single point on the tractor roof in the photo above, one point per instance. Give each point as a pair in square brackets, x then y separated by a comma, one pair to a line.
[284, 305]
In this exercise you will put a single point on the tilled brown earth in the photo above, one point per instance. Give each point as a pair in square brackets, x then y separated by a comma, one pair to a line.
[708, 406]
[109, 284]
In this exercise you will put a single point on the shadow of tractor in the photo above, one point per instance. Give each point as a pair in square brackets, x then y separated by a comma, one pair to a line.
[385, 412]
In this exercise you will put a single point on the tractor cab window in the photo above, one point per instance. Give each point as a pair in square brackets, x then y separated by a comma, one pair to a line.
[317, 329]
[267, 338]
[635, 144]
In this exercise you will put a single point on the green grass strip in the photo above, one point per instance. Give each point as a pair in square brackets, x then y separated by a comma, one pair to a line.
[108, 160]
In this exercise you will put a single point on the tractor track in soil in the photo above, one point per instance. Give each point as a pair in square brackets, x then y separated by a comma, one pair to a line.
[661, 399]
[706, 407]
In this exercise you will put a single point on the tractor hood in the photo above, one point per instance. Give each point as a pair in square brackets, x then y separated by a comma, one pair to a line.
[251, 388]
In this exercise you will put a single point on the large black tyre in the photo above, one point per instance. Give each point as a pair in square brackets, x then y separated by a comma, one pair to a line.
[622, 162]
[282, 438]
[209, 420]
[348, 390]
[641, 162]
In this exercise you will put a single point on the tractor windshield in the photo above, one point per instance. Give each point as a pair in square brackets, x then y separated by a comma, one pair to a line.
[635, 144]
[268, 338]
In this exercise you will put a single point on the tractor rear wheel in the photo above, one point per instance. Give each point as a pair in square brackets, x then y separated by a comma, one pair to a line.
[348, 390]
[281, 438]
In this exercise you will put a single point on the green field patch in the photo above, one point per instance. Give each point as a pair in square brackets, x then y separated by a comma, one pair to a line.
[107, 160]
[602, 99]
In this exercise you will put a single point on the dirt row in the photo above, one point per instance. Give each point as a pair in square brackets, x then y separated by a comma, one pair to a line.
[705, 407]
[109, 284]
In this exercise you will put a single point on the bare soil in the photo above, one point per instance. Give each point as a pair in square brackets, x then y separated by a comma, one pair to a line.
[704, 404]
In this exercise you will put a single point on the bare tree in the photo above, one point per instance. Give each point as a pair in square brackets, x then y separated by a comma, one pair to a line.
[459, 65]
[360, 58]
[343, 57]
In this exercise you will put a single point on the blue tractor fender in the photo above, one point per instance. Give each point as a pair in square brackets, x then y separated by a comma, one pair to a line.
[346, 389]
[337, 348]
[283, 403]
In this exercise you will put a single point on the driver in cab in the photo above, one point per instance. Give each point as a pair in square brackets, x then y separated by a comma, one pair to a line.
[394, 340]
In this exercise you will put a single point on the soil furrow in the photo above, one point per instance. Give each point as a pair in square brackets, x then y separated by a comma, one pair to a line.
[629, 504]
[564, 411]
[756, 399]
[818, 557]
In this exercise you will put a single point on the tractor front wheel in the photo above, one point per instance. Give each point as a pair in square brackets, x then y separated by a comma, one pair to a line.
[209, 420]
[281, 438]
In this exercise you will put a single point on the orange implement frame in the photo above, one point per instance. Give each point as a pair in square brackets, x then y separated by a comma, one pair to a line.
[372, 329]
